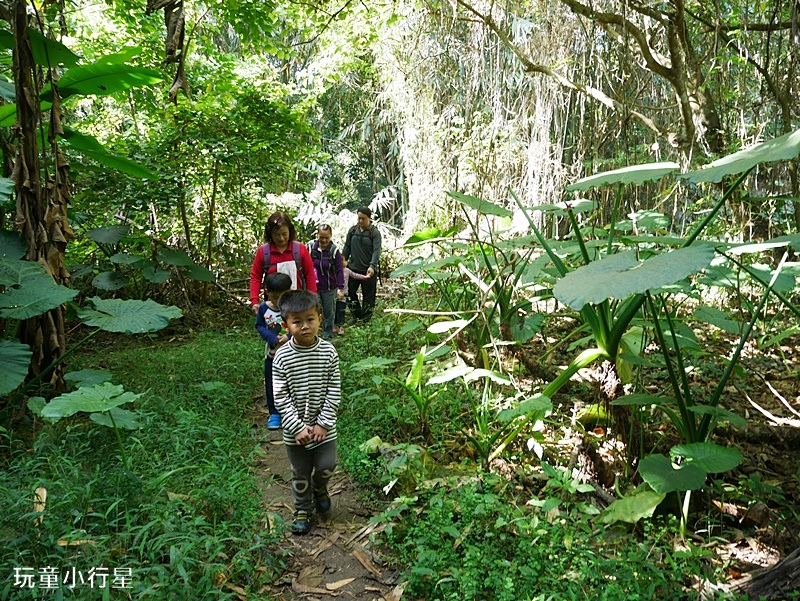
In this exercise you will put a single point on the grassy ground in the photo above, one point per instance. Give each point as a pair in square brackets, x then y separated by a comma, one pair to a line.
[185, 517]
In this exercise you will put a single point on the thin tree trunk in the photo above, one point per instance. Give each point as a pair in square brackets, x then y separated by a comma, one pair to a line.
[212, 204]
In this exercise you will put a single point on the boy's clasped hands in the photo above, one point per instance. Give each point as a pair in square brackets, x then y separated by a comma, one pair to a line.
[308, 434]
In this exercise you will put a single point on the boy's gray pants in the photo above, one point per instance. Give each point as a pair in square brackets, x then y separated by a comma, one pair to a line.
[311, 469]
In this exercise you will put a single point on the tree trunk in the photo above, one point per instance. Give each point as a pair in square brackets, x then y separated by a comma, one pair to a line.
[775, 582]
[43, 224]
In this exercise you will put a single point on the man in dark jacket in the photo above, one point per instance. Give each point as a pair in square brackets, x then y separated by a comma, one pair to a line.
[362, 249]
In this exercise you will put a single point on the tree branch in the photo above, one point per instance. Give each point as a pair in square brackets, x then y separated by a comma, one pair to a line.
[653, 64]
[561, 79]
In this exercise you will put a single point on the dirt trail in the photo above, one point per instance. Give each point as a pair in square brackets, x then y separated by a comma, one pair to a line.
[335, 558]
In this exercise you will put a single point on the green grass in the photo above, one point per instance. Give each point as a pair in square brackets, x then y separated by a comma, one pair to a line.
[187, 516]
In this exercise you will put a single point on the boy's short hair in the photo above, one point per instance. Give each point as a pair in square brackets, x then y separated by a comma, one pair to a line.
[277, 282]
[297, 301]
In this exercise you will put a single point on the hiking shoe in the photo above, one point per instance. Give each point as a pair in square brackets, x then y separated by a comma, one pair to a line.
[322, 500]
[302, 523]
[274, 422]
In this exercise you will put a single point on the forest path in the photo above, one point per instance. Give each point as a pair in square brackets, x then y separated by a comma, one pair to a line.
[334, 559]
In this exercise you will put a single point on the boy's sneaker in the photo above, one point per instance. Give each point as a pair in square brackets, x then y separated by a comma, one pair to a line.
[274, 422]
[322, 500]
[302, 523]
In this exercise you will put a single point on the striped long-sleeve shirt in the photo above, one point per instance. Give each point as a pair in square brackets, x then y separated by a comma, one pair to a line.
[307, 388]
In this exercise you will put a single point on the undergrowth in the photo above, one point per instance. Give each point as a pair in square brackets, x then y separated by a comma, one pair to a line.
[457, 532]
[185, 520]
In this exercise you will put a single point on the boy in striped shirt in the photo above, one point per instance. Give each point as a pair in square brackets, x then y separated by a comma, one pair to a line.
[307, 390]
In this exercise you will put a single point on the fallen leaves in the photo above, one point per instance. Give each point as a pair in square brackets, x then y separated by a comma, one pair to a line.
[366, 562]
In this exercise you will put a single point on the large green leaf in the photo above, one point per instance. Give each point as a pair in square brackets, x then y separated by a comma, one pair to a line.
[12, 246]
[621, 275]
[15, 358]
[757, 247]
[719, 414]
[128, 259]
[16, 272]
[644, 220]
[685, 335]
[785, 282]
[7, 187]
[413, 266]
[641, 399]
[451, 373]
[635, 174]
[88, 377]
[8, 91]
[109, 234]
[110, 280]
[430, 235]
[525, 328]
[100, 397]
[101, 78]
[175, 257]
[538, 403]
[8, 113]
[154, 275]
[200, 273]
[414, 377]
[577, 206]
[92, 148]
[46, 52]
[482, 206]
[128, 316]
[127, 420]
[49, 53]
[718, 319]
[633, 508]
[30, 300]
[779, 149]
[709, 457]
[663, 477]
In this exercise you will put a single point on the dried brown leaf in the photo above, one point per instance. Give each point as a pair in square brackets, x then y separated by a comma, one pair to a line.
[302, 588]
[332, 586]
[366, 562]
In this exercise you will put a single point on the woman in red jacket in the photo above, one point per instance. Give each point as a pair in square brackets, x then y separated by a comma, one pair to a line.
[281, 253]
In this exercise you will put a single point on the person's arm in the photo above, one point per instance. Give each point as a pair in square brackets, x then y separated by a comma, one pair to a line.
[339, 269]
[290, 420]
[357, 276]
[327, 413]
[347, 239]
[309, 274]
[261, 325]
[256, 276]
[374, 261]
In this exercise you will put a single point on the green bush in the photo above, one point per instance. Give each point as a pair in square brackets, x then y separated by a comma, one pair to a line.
[469, 542]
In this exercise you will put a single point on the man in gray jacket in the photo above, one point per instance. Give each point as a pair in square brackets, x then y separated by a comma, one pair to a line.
[362, 249]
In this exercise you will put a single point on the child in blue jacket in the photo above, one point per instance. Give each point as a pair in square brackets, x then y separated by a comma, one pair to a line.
[268, 324]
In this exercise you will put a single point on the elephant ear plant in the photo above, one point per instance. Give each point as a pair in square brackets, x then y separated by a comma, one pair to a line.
[612, 291]
[27, 290]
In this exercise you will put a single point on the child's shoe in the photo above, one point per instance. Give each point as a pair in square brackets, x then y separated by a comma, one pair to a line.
[274, 422]
[302, 523]
[322, 499]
